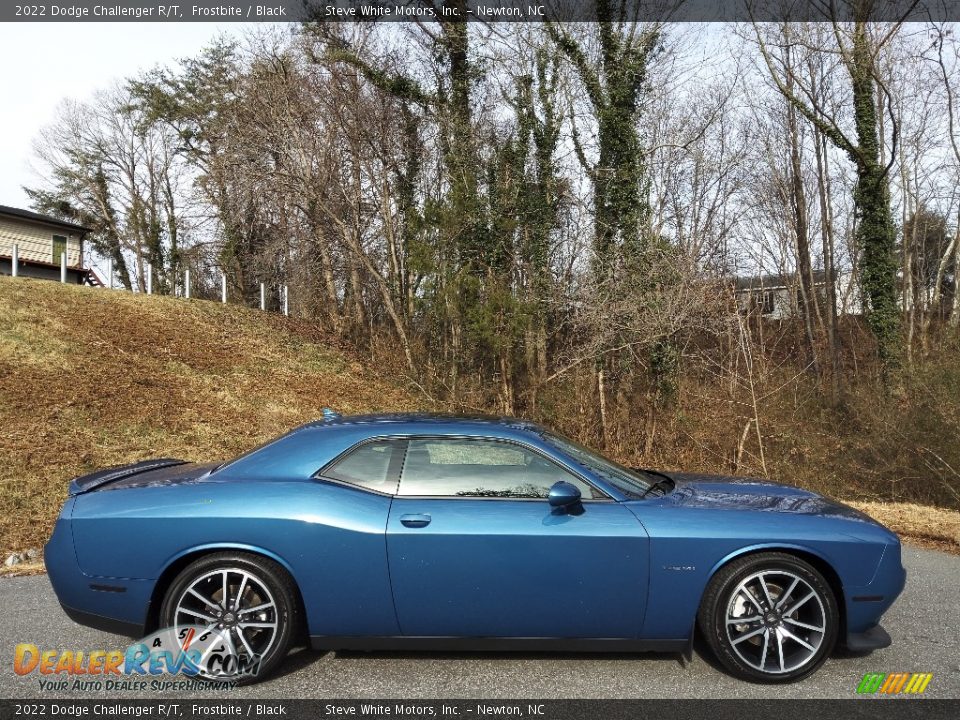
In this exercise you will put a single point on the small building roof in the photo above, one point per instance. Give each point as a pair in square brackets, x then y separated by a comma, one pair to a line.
[46, 219]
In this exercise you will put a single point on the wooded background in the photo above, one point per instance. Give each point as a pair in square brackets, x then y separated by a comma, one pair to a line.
[549, 221]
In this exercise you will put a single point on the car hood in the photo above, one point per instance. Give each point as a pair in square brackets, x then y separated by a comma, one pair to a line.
[742, 493]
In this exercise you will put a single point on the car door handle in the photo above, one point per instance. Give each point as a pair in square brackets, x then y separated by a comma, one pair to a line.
[415, 521]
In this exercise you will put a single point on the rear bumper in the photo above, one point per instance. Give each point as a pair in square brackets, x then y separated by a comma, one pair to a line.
[99, 622]
[116, 605]
[876, 638]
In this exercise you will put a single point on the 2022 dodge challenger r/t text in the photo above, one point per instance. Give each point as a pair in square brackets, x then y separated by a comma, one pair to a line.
[433, 532]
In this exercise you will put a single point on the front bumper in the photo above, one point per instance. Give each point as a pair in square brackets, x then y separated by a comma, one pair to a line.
[866, 604]
[876, 638]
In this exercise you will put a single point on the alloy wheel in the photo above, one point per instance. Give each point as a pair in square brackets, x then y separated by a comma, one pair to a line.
[235, 604]
[776, 621]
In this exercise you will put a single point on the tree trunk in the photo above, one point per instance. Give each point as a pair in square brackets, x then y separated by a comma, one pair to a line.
[602, 391]
[875, 233]
[806, 297]
[954, 321]
[830, 278]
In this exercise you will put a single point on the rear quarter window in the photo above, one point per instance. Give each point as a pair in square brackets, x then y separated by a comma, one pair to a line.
[373, 465]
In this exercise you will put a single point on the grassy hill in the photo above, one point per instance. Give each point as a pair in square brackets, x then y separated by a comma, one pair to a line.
[91, 378]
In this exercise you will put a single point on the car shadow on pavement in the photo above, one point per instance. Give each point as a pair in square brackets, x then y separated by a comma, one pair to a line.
[304, 656]
[296, 660]
[494, 655]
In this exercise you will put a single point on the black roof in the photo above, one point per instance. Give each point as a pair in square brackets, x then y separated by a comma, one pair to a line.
[426, 418]
[37, 217]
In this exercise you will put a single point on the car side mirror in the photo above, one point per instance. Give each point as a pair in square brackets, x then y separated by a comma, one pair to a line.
[563, 495]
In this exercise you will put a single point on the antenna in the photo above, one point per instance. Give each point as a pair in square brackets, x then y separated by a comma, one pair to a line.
[329, 414]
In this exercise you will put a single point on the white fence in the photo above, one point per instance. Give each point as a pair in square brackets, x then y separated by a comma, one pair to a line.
[179, 288]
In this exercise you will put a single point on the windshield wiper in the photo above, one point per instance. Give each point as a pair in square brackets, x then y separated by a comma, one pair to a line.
[663, 485]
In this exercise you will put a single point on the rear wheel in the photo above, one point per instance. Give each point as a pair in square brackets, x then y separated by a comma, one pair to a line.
[770, 618]
[247, 606]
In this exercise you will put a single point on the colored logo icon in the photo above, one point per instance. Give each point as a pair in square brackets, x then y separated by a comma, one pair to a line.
[894, 683]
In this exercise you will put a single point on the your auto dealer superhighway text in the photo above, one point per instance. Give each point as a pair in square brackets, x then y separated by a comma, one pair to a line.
[161, 11]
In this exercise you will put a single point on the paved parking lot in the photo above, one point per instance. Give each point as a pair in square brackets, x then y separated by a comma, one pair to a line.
[924, 623]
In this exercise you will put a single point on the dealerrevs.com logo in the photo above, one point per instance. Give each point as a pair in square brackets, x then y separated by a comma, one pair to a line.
[171, 659]
[894, 683]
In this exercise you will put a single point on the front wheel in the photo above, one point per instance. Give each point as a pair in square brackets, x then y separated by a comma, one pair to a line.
[239, 610]
[769, 618]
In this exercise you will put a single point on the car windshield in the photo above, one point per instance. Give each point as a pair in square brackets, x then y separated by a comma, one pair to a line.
[632, 483]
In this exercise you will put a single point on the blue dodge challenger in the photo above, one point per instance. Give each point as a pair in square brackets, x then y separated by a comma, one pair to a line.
[433, 532]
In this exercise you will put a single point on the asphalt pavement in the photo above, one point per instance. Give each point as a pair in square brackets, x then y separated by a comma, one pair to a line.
[924, 624]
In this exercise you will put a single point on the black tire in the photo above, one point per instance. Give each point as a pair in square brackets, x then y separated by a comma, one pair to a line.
[266, 581]
[773, 644]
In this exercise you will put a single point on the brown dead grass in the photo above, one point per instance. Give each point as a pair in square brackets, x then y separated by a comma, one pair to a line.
[22, 570]
[91, 378]
[928, 526]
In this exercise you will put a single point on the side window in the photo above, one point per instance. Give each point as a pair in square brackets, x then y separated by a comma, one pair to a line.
[480, 468]
[372, 465]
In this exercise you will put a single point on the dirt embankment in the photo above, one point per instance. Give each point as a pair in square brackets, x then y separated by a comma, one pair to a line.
[91, 378]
